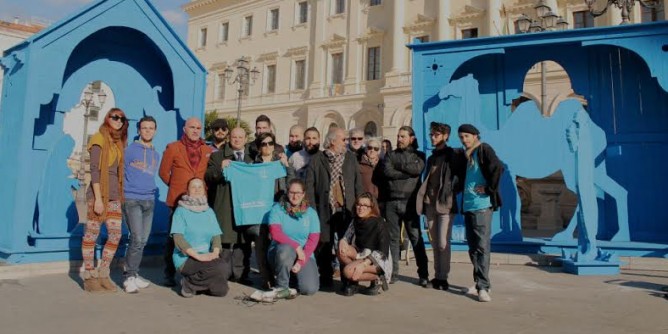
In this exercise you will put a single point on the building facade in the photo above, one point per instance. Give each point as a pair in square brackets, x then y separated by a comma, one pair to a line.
[344, 63]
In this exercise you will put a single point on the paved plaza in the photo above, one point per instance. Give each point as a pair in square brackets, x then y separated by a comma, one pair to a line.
[526, 299]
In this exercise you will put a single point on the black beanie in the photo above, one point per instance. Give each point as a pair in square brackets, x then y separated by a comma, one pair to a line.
[468, 128]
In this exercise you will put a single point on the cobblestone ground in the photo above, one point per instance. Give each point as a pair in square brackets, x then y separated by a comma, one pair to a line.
[526, 299]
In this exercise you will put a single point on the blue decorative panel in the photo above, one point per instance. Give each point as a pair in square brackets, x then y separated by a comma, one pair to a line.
[127, 45]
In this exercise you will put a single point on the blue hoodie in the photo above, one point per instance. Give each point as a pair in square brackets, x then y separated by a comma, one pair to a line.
[141, 165]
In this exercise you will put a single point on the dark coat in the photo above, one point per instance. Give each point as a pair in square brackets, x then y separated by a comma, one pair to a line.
[317, 188]
[220, 193]
[402, 169]
[491, 168]
[444, 158]
[372, 176]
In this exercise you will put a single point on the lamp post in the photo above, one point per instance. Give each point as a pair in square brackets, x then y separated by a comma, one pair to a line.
[87, 102]
[547, 21]
[624, 5]
[243, 78]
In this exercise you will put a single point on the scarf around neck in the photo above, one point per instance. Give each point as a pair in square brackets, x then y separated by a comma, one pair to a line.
[295, 211]
[195, 204]
[469, 152]
[336, 177]
[192, 149]
[367, 233]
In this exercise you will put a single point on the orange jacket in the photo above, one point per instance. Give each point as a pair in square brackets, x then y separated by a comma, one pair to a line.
[175, 170]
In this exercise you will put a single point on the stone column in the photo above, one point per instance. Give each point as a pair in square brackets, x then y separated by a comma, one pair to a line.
[494, 23]
[398, 38]
[444, 32]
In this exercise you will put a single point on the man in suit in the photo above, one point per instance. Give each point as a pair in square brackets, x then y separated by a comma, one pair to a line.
[182, 160]
[236, 247]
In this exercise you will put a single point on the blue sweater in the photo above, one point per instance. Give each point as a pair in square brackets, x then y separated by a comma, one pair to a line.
[141, 165]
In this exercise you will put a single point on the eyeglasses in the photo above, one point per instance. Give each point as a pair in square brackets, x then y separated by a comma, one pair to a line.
[372, 148]
[118, 118]
[363, 205]
[295, 193]
[266, 143]
[356, 138]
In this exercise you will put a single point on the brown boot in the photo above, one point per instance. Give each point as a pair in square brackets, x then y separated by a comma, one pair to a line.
[91, 281]
[105, 282]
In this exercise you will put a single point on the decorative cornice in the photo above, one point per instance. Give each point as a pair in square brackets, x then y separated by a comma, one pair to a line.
[196, 4]
[469, 13]
[335, 41]
[296, 51]
[370, 34]
[422, 24]
[218, 66]
[269, 56]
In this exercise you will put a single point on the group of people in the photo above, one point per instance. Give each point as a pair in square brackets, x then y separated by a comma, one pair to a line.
[307, 213]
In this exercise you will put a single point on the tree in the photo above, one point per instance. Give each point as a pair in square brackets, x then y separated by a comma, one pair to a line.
[212, 115]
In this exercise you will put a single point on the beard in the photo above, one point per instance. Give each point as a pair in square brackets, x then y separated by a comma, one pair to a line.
[313, 150]
[296, 146]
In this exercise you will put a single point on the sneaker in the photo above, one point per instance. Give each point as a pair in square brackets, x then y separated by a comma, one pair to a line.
[440, 284]
[141, 283]
[423, 282]
[130, 285]
[483, 296]
[472, 290]
[185, 292]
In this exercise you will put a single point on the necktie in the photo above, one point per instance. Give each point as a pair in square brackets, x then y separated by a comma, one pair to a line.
[240, 156]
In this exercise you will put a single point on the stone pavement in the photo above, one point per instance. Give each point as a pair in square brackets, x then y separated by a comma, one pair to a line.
[526, 299]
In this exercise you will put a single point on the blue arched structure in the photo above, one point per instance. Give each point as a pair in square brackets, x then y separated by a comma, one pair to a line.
[129, 46]
[610, 151]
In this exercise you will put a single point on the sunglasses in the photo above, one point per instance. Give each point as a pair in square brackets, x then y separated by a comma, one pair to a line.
[356, 138]
[118, 118]
[266, 143]
[372, 148]
[216, 129]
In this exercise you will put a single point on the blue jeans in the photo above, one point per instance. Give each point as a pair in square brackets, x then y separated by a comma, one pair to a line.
[478, 235]
[139, 217]
[282, 257]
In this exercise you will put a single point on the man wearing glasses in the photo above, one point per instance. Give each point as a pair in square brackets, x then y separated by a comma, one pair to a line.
[356, 142]
[220, 131]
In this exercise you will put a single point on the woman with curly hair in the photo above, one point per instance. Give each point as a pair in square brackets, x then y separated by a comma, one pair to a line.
[104, 197]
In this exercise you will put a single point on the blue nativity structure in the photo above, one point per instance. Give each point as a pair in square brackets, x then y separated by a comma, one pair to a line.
[127, 45]
[610, 143]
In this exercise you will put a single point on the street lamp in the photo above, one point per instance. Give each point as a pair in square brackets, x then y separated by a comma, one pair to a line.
[244, 78]
[87, 102]
[547, 21]
[624, 5]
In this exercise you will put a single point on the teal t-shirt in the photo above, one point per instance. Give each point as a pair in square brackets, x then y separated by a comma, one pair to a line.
[295, 229]
[198, 228]
[253, 188]
[472, 200]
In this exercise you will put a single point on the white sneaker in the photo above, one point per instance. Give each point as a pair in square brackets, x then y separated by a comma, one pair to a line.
[141, 283]
[130, 285]
[472, 290]
[483, 296]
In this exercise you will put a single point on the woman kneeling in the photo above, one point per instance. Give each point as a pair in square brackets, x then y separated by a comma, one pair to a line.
[364, 249]
[295, 232]
[196, 235]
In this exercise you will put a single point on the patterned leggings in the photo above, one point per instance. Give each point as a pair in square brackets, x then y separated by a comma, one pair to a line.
[91, 232]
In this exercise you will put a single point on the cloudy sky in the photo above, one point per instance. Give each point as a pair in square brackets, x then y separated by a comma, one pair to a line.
[54, 10]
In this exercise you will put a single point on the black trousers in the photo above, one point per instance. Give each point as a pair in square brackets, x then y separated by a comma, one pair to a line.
[208, 276]
[170, 269]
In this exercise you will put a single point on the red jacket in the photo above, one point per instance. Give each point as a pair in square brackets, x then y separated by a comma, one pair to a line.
[175, 170]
